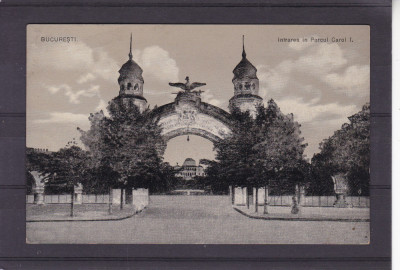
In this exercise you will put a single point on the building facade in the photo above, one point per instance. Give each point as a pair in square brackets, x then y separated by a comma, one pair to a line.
[189, 170]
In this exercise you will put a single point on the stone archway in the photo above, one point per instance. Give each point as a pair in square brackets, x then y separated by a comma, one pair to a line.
[189, 115]
[38, 187]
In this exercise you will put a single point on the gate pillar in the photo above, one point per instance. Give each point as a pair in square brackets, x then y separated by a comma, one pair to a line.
[240, 196]
[38, 195]
[261, 196]
[78, 194]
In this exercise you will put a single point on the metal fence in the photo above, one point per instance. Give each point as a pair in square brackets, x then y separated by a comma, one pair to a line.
[286, 200]
[315, 201]
[327, 201]
[66, 198]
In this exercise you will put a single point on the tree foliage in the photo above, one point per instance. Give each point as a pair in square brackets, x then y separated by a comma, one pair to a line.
[267, 147]
[346, 151]
[166, 180]
[279, 151]
[68, 166]
[212, 182]
[126, 144]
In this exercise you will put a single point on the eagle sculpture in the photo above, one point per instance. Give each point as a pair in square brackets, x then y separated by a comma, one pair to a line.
[187, 86]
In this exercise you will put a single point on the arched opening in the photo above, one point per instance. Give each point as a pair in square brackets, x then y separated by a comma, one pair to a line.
[179, 148]
[190, 130]
[185, 154]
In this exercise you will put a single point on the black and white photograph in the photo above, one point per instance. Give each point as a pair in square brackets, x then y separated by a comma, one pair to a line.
[197, 134]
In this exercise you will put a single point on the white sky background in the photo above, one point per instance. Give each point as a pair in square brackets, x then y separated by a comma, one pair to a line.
[320, 83]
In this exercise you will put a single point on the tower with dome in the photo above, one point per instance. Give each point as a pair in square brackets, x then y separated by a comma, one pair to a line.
[246, 86]
[131, 83]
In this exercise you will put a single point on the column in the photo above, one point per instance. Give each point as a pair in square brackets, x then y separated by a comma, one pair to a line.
[38, 188]
[341, 201]
[117, 196]
[240, 196]
[261, 196]
[138, 198]
[78, 194]
[38, 195]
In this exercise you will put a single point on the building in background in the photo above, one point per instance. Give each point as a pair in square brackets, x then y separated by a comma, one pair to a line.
[189, 170]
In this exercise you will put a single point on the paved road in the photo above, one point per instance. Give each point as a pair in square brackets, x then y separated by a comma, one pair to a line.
[197, 220]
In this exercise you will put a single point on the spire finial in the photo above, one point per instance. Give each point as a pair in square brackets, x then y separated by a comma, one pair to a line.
[130, 49]
[244, 52]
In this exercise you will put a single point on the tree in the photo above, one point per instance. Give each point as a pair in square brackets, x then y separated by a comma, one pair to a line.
[234, 152]
[279, 149]
[164, 182]
[212, 181]
[346, 151]
[260, 149]
[99, 143]
[127, 143]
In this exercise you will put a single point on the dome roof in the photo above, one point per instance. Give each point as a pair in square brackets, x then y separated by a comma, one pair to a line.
[245, 70]
[130, 69]
[189, 162]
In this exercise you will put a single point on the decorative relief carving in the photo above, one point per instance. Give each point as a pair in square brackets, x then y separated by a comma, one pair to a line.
[187, 114]
[189, 119]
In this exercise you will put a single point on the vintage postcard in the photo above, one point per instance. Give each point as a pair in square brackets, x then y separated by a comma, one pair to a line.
[198, 134]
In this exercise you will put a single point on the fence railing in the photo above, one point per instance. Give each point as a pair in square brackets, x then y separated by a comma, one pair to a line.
[316, 201]
[285, 200]
[66, 198]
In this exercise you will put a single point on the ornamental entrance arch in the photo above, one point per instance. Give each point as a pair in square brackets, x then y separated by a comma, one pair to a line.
[189, 115]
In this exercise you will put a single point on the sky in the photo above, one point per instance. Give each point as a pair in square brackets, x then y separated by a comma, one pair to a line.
[321, 83]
